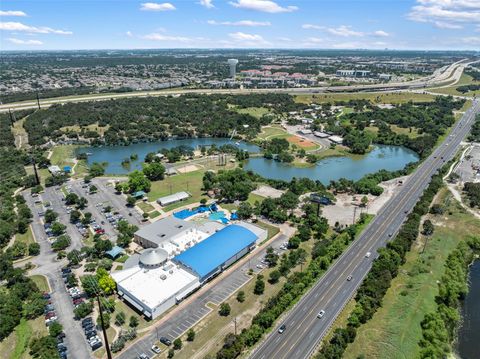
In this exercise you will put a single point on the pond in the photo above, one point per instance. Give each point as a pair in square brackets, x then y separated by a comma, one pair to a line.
[114, 155]
[390, 158]
[469, 332]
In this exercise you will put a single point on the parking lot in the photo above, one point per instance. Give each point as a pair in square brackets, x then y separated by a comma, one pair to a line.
[194, 310]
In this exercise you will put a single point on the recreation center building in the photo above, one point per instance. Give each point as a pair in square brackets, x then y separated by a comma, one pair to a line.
[180, 257]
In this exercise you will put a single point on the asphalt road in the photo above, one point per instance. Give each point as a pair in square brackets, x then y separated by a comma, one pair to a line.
[304, 331]
[192, 312]
[440, 77]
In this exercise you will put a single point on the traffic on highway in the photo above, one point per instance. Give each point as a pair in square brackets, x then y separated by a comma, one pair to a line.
[302, 329]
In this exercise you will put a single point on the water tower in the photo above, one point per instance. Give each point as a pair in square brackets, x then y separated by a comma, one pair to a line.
[233, 67]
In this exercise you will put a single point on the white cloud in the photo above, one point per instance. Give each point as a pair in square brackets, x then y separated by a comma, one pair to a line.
[315, 40]
[240, 23]
[12, 13]
[344, 31]
[162, 37]
[18, 26]
[311, 26]
[447, 25]
[446, 14]
[381, 33]
[153, 6]
[24, 42]
[262, 5]
[471, 40]
[207, 3]
[251, 40]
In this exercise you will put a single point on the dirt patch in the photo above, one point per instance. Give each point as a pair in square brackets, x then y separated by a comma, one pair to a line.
[187, 168]
[348, 207]
[300, 142]
[267, 191]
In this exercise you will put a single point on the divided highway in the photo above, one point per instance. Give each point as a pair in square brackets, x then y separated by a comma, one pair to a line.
[442, 76]
[304, 331]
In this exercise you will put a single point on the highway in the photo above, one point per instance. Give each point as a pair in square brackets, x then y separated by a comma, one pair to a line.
[447, 75]
[304, 331]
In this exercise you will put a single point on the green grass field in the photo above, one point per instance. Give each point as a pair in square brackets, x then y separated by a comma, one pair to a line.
[400, 97]
[190, 182]
[254, 111]
[394, 331]
[63, 155]
[25, 238]
[15, 346]
[270, 132]
[41, 282]
[452, 90]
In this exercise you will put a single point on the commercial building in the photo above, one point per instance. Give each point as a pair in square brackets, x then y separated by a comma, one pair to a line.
[181, 257]
[218, 251]
[173, 198]
[336, 139]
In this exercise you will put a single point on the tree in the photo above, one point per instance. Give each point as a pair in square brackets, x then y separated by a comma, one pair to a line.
[224, 309]
[120, 318]
[75, 216]
[271, 257]
[44, 348]
[93, 189]
[294, 242]
[428, 228]
[364, 201]
[131, 201]
[82, 310]
[259, 285]
[96, 169]
[177, 344]
[274, 276]
[171, 353]
[57, 228]
[245, 210]
[106, 320]
[50, 216]
[61, 243]
[138, 182]
[71, 198]
[241, 296]
[55, 329]
[191, 335]
[154, 171]
[133, 322]
[82, 203]
[33, 249]
[107, 284]
[74, 256]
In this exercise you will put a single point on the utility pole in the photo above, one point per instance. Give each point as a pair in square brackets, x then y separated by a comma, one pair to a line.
[12, 121]
[109, 354]
[235, 324]
[35, 170]
[354, 213]
[38, 101]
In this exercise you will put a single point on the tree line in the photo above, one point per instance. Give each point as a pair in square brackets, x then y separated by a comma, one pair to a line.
[384, 268]
[153, 118]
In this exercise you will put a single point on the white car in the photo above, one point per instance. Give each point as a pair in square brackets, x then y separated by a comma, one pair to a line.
[156, 349]
[321, 314]
[368, 255]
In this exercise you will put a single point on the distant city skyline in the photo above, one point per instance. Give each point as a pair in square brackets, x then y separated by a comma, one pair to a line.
[238, 24]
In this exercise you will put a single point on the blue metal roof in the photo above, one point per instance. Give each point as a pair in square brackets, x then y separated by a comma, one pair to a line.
[212, 252]
[115, 251]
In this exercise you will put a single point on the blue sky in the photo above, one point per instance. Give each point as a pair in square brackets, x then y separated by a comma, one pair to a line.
[344, 24]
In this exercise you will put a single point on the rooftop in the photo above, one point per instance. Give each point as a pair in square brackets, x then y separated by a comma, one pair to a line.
[207, 255]
[164, 229]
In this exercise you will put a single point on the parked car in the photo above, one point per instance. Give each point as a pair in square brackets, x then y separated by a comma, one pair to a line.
[165, 341]
[156, 349]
